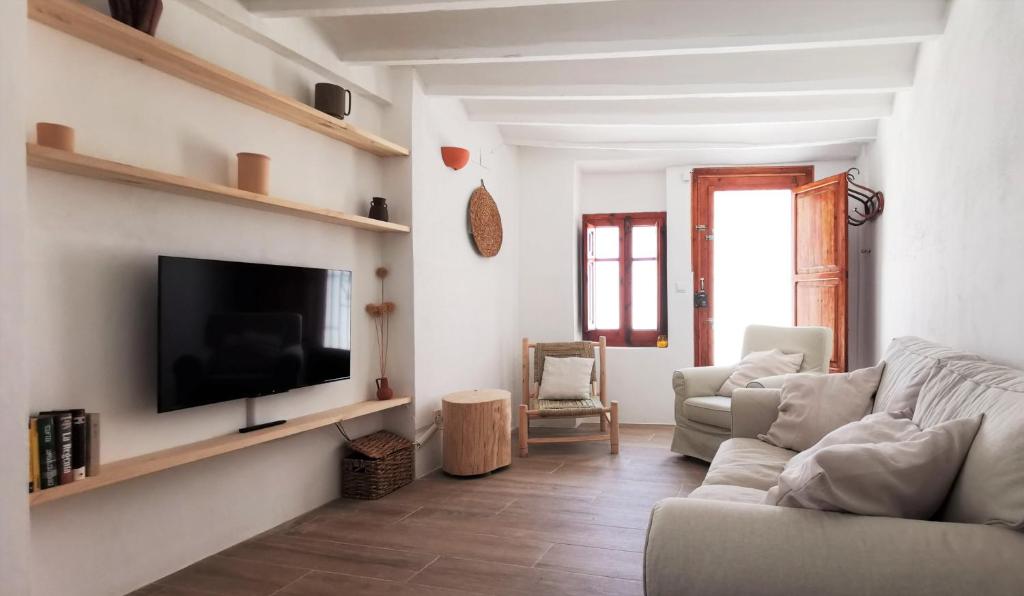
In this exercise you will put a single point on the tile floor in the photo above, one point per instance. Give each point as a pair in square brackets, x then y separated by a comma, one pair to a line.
[568, 520]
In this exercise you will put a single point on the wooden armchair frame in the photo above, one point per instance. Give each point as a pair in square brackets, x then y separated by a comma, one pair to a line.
[608, 413]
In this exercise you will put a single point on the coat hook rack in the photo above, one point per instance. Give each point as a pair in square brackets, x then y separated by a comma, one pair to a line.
[872, 201]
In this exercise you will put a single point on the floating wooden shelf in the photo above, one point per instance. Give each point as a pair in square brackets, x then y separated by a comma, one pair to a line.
[97, 28]
[112, 171]
[127, 469]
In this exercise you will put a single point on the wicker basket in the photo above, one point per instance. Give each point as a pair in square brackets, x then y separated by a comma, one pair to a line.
[379, 464]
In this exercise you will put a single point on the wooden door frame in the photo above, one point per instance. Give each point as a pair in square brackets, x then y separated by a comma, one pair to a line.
[704, 182]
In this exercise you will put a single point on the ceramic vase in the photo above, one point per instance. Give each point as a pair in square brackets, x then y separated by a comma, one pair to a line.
[379, 209]
[56, 136]
[254, 173]
[384, 391]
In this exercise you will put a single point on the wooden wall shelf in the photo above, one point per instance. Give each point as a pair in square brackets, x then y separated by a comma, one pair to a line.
[99, 29]
[112, 171]
[127, 469]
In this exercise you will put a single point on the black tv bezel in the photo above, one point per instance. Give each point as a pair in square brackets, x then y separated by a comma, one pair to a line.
[159, 332]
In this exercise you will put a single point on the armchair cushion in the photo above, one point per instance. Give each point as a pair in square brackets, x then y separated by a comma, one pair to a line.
[713, 410]
[760, 364]
[566, 378]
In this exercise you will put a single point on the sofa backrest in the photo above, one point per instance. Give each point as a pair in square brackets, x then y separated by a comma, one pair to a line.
[990, 487]
[909, 361]
[815, 343]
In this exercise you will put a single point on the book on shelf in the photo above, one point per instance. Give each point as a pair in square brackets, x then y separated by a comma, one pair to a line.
[92, 444]
[78, 444]
[62, 436]
[33, 454]
[49, 470]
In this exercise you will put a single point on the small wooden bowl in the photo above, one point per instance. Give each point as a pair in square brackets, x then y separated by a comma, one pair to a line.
[56, 136]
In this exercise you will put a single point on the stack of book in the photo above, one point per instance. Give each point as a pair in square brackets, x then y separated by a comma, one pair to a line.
[64, 447]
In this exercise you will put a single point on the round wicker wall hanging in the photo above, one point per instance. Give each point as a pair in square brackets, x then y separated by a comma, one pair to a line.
[484, 222]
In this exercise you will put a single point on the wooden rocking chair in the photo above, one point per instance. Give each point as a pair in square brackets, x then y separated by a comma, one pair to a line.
[596, 405]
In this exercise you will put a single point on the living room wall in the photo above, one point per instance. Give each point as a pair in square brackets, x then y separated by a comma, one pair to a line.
[91, 297]
[951, 163]
[14, 545]
[555, 192]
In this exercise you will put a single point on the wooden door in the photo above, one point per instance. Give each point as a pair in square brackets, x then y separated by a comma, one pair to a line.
[705, 182]
[820, 260]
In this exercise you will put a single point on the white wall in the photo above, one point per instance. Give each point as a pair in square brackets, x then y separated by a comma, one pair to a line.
[91, 296]
[467, 318]
[951, 163]
[14, 520]
[554, 194]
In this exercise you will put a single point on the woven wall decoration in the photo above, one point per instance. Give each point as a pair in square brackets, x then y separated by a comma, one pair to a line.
[484, 222]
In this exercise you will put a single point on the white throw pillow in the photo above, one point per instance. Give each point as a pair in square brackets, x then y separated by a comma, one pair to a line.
[760, 364]
[908, 476]
[814, 405]
[566, 378]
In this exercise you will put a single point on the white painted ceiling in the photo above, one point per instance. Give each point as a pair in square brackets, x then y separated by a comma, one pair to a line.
[652, 81]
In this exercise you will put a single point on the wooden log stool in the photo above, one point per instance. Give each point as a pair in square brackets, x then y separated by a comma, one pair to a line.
[477, 431]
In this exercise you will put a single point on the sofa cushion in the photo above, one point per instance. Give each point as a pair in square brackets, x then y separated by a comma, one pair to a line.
[714, 410]
[990, 487]
[909, 361]
[726, 492]
[748, 462]
[891, 468]
[815, 405]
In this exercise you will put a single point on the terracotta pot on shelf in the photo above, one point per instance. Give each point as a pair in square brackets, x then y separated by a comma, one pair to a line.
[254, 173]
[384, 391]
[56, 136]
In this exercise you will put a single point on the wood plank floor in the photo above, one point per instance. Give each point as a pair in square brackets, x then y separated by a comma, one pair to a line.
[568, 520]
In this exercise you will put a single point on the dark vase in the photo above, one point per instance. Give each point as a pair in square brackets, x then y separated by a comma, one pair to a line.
[379, 209]
[143, 15]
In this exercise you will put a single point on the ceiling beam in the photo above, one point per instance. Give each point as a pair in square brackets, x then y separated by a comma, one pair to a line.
[829, 71]
[661, 138]
[352, 8]
[681, 112]
[631, 28]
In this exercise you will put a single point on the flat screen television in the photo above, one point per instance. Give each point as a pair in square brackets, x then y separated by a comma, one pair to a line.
[232, 330]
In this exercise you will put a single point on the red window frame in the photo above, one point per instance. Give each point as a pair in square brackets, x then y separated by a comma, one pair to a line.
[625, 335]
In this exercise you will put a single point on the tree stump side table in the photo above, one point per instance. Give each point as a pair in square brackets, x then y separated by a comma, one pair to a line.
[477, 431]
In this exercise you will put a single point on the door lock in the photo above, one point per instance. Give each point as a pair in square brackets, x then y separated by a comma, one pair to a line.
[700, 297]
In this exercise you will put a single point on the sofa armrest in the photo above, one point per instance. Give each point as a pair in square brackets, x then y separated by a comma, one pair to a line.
[697, 546]
[754, 411]
[699, 381]
[776, 381]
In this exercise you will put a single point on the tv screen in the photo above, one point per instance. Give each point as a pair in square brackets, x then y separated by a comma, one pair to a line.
[232, 330]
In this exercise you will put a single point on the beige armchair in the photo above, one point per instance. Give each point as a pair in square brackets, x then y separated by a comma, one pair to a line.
[703, 418]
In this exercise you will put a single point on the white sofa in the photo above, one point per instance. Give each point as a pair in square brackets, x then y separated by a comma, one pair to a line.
[704, 419]
[723, 540]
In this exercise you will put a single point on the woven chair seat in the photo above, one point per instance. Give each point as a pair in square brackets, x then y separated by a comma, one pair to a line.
[567, 407]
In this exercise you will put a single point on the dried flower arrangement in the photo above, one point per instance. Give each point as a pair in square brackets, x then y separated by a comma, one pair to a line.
[381, 314]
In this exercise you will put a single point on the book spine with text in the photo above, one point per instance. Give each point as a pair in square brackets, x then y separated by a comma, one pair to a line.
[49, 471]
[92, 444]
[62, 422]
[78, 444]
